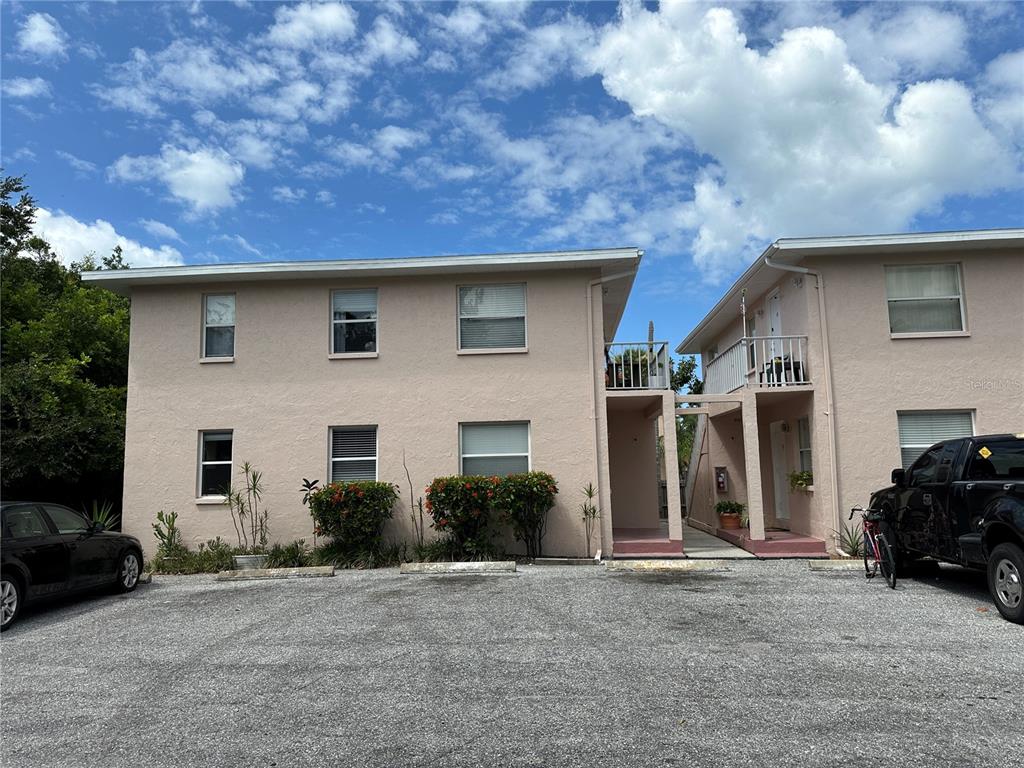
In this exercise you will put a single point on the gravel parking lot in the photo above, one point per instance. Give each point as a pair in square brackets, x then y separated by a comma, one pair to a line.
[765, 664]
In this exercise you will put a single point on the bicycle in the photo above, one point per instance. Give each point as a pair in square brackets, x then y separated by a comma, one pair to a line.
[878, 554]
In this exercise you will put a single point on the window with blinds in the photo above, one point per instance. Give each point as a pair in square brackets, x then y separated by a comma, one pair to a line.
[925, 298]
[495, 449]
[354, 321]
[214, 463]
[919, 430]
[492, 316]
[219, 325]
[353, 454]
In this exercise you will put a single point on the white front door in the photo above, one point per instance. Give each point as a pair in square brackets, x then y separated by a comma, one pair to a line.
[780, 475]
[775, 323]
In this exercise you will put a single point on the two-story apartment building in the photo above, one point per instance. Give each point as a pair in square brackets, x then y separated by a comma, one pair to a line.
[845, 357]
[359, 369]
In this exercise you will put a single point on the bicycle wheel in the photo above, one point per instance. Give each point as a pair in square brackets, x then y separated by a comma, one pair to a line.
[870, 564]
[886, 561]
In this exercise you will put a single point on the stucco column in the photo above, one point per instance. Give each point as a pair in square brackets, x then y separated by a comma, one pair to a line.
[671, 459]
[752, 459]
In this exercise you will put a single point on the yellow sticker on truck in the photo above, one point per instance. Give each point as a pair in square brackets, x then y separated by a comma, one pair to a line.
[984, 452]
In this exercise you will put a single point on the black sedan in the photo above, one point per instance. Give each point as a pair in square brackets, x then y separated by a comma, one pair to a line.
[49, 550]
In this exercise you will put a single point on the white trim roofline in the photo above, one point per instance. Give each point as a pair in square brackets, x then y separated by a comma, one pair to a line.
[122, 280]
[792, 250]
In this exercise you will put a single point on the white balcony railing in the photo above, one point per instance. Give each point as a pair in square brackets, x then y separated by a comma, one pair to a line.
[637, 365]
[759, 361]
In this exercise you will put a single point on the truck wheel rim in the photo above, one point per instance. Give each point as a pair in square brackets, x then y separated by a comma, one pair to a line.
[8, 601]
[1008, 586]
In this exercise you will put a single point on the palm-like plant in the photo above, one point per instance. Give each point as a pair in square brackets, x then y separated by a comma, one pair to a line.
[102, 513]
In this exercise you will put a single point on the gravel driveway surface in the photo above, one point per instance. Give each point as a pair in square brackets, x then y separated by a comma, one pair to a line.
[766, 664]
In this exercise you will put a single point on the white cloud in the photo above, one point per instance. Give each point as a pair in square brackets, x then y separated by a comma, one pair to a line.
[160, 230]
[391, 140]
[240, 243]
[72, 240]
[80, 165]
[206, 179]
[385, 41]
[41, 35]
[1003, 93]
[540, 54]
[286, 194]
[440, 61]
[325, 198]
[26, 88]
[187, 71]
[300, 26]
[803, 143]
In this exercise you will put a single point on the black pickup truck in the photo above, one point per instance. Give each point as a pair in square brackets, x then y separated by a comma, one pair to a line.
[962, 502]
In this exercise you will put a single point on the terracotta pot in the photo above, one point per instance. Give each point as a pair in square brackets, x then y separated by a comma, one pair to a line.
[729, 521]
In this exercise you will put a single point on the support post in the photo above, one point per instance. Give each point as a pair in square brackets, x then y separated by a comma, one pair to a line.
[671, 459]
[752, 459]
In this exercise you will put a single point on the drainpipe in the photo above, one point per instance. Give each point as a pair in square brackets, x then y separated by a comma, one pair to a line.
[602, 487]
[830, 407]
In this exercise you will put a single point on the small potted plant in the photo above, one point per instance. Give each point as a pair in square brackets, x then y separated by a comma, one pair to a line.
[801, 481]
[731, 514]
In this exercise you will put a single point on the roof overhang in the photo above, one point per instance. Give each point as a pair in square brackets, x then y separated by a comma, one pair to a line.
[759, 277]
[609, 261]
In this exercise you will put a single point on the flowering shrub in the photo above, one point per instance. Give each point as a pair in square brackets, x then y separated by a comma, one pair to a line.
[524, 500]
[353, 514]
[460, 508]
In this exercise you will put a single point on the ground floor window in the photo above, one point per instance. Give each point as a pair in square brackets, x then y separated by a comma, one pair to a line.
[803, 433]
[500, 449]
[921, 429]
[353, 454]
[214, 463]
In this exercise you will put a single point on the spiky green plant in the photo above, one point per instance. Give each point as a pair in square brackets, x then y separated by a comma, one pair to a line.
[103, 514]
[851, 539]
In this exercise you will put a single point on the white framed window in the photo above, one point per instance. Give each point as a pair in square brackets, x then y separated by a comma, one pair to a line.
[354, 321]
[218, 325]
[492, 316]
[803, 435]
[924, 298]
[919, 430]
[497, 448]
[353, 453]
[214, 462]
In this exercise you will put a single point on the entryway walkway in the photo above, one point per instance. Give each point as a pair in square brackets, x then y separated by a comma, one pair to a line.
[703, 546]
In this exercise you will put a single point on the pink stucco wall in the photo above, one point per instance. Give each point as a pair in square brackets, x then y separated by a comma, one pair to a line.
[875, 376]
[282, 393]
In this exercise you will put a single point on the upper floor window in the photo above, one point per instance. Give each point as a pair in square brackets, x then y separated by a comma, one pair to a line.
[921, 429]
[924, 298]
[353, 454]
[354, 321]
[219, 325]
[495, 449]
[214, 463]
[492, 316]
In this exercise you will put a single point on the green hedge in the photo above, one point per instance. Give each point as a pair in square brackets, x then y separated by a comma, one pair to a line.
[523, 501]
[460, 507]
[353, 514]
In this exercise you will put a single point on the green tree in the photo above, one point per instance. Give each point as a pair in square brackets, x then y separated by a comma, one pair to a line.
[685, 381]
[65, 361]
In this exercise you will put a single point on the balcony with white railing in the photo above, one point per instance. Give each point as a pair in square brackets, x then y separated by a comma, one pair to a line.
[637, 365]
[759, 361]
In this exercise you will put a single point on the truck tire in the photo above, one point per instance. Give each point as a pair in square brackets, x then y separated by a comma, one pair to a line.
[1006, 581]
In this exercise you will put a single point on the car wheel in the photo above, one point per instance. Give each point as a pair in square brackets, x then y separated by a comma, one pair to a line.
[10, 601]
[1005, 574]
[128, 571]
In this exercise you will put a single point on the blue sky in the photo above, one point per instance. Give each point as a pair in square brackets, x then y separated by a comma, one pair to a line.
[201, 132]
